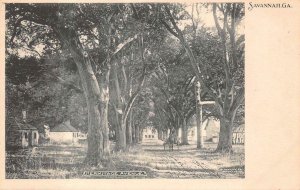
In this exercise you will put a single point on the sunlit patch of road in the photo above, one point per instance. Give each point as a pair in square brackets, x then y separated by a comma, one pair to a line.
[188, 162]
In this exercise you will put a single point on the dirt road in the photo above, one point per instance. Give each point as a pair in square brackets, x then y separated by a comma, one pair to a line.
[151, 158]
[188, 162]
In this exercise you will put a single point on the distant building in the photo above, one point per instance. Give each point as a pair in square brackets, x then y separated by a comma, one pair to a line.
[210, 130]
[64, 133]
[149, 133]
[238, 134]
[22, 135]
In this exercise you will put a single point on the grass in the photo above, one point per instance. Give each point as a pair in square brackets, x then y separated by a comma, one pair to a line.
[186, 162]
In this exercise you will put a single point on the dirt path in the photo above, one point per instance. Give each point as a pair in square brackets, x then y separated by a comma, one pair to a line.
[185, 162]
[186, 167]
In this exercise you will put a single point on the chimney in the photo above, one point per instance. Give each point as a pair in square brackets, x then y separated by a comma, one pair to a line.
[24, 115]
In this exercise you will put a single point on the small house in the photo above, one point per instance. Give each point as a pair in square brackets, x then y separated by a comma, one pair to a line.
[210, 130]
[22, 135]
[64, 133]
[238, 134]
[149, 133]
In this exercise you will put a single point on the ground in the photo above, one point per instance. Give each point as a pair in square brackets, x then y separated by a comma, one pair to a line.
[150, 159]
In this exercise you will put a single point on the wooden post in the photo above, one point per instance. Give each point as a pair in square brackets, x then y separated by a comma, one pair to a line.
[199, 114]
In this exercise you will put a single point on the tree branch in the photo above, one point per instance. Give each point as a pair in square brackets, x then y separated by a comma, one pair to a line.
[121, 45]
[125, 79]
[190, 113]
[169, 28]
[134, 96]
[239, 98]
[216, 19]
[66, 83]
[173, 22]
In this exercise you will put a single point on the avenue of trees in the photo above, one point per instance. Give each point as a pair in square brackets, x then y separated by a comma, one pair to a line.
[119, 67]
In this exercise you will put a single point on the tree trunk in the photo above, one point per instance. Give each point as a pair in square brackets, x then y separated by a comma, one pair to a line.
[129, 130]
[137, 134]
[177, 132]
[103, 108]
[121, 138]
[140, 133]
[96, 128]
[184, 133]
[226, 124]
[165, 134]
[225, 136]
[200, 143]
[133, 133]
[160, 134]
[119, 110]
[95, 152]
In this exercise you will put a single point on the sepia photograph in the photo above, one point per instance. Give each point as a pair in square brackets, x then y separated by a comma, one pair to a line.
[125, 91]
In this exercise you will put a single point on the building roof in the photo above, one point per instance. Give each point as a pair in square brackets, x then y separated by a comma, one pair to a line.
[18, 125]
[64, 127]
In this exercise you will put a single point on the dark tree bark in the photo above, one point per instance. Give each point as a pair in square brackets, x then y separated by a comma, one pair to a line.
[103, 108]
[136, 135]
[129, 130]
[160, 134]
[225, 138]
[177, 132]
[199, 119]
[121, 138]
[139, 133]
[133, 133]
[119, 112]
[184, 133]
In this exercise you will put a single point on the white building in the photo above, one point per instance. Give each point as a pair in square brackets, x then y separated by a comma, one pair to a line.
[238, 134]
[210, 130]
[64, 133]
[149, 134]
